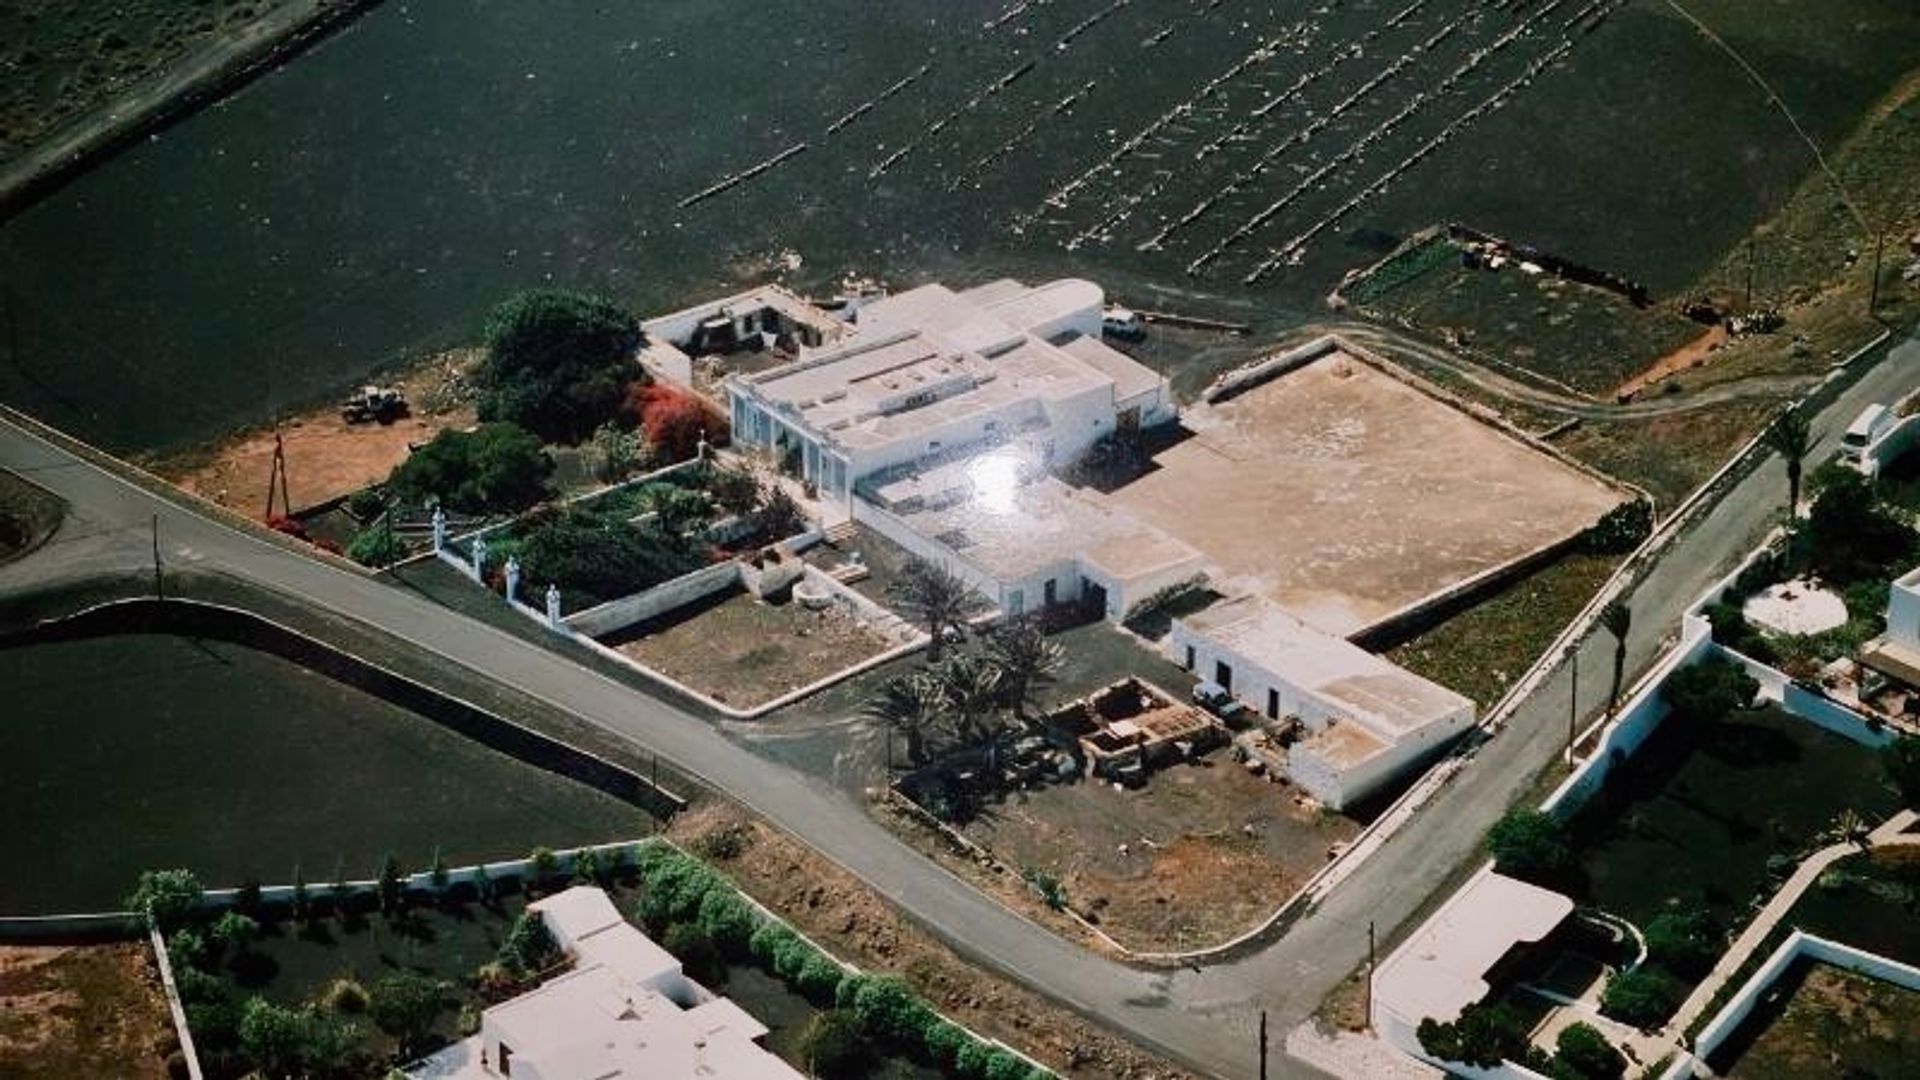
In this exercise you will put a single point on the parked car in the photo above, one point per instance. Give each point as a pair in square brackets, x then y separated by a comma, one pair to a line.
[1123, 323]
[1217, 700]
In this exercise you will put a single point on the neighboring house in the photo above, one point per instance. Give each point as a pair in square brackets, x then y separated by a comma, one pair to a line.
[750, 320]
[1460, 955]
[1364, 720]
[932, 375]
[625, 1011]
[1896, 653]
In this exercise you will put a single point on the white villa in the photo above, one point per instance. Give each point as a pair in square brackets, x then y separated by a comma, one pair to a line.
[932, 374]
[625, 1012]
[1366, 720]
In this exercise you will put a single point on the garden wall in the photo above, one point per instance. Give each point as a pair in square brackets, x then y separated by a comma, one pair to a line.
[613, 615]
[1241, 380]
[1798, 945]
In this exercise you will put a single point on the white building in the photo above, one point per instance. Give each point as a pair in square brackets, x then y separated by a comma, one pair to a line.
[625, 1011]
[1896, 653]
[1453, 960]
[1367, 720]
[932, 374]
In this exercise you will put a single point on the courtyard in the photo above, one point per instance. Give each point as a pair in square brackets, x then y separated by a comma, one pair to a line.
[1199, 853]
[1822, 1021]
[1346, 496]
[743, 651]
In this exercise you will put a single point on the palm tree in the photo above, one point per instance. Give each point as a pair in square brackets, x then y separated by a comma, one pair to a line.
[1791, 436]
[971, 687]
[911, 704]
[1618, 619]
[1026, 657]
[932, 596]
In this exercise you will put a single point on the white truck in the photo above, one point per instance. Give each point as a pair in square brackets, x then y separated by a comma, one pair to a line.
[1873, 422]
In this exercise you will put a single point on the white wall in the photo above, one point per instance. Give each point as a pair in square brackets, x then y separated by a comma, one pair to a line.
[1797, 945]
[1903, 611]
[613, 615]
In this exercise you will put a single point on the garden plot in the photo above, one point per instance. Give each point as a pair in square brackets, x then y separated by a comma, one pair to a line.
[1821, 1021]
[83, 1010]
[1705, 815]
[743, 651]
[1345, 495]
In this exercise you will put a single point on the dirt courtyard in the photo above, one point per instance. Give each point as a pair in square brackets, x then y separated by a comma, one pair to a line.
[1201, 852]
[70, 1011]
[1345, 495]
[742, 651]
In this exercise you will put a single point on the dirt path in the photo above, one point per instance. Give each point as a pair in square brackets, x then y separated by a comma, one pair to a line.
[202, 76]
[1690, 355]
[1392, 343]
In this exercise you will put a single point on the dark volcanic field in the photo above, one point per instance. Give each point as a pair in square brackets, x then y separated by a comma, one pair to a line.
[376, 196]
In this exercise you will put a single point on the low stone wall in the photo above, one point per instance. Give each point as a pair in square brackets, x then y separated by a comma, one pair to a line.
[199, 619]
[1240, 380]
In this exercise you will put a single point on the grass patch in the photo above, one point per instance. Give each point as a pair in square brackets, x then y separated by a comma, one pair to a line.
[1481, 651]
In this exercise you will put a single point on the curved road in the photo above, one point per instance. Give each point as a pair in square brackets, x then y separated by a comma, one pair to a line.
[1206, 1018]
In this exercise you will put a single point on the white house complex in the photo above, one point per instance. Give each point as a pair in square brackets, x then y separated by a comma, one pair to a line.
[931, 375]
[625, 1012]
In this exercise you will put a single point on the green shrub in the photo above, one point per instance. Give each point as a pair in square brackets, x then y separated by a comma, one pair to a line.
[727, 920]
[697, 953]
[944, 1042]
[973, 1060]
[887, 1009]
[819, 977]
[495, 468]
[405, 1004]
[1685, 942]
[1530, 845]
[1585, 1054]
[376, 545]
[769, 941]
[1709, 691]
[834, 1046]
[529, 946]
[1643, 997]
[188, 948]
[674, 887]
[166, 897]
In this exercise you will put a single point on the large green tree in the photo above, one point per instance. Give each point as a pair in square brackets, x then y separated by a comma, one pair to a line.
[495, 468]
[1529, 844]
[1849, 536]
[405, 1004]
[558, 363]
[1710, 690]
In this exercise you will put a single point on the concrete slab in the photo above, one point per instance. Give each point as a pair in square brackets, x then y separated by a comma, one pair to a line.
[1345, 495]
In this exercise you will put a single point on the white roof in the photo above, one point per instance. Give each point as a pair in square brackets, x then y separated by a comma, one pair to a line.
[1388, 700]
[577, 912]
[1441, 969]
[930, 357]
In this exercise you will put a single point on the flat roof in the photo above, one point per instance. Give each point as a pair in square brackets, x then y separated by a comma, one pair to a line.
[1343, 744]
[577, 911]
[1130, 377]
[1389, 700]
[1011, 530]
[1441, 969]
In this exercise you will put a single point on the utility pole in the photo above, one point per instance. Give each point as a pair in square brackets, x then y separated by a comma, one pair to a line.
[1873, 296]
[1369, 998]
[1573, 703]
[1263, 1044]
[159, 590]
[1751, 242]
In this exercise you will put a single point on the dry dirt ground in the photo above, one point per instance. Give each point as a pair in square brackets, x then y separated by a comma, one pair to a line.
[851, 920]
[1199, 854]
[326, 456]
[743, 651]
[1345, 495]
[1838, 1024]
[70, 1012]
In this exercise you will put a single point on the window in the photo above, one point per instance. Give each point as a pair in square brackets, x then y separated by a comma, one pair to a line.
[1016, 601]
[1223, 674]
[1273, 703]
[1190, 659]
[1052, 592]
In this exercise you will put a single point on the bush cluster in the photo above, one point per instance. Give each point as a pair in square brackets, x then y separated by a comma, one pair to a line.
[679, 890]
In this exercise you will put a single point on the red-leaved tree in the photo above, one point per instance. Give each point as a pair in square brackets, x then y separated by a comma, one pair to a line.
[674, 419]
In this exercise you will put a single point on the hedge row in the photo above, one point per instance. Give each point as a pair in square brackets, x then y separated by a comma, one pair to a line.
[678, 888]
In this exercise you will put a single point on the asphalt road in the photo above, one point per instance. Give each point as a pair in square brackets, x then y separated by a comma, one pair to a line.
[1206, 1018]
